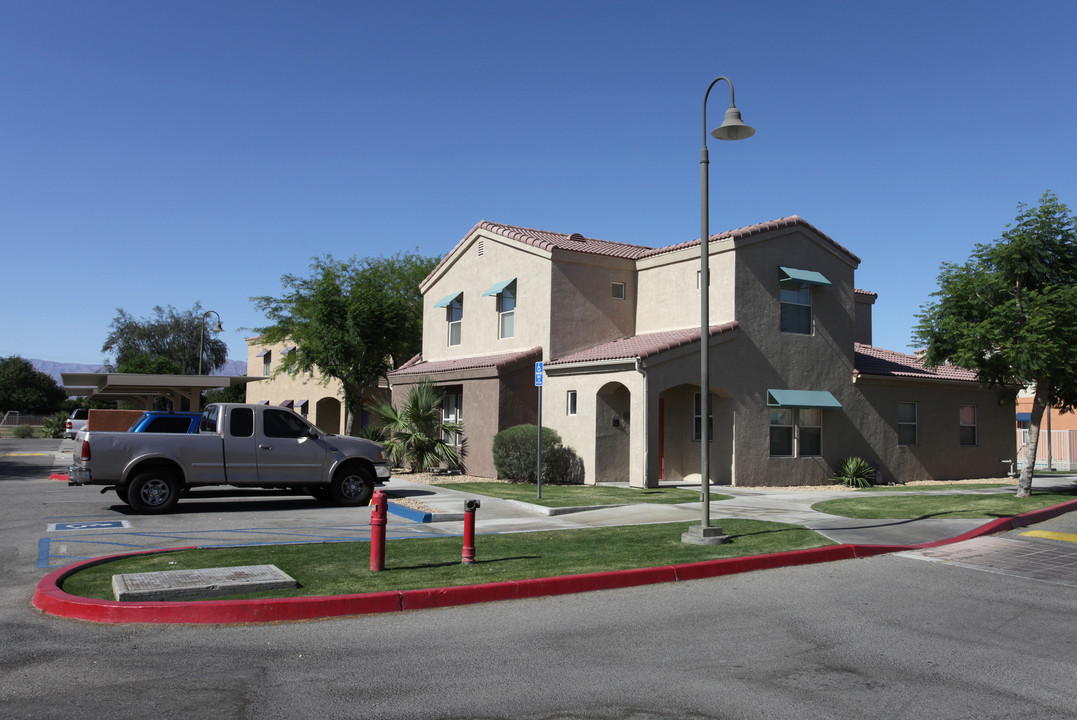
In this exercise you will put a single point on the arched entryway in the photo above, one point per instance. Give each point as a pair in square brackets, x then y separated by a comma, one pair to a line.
[679, 428]
[612, 433]
[327, 416]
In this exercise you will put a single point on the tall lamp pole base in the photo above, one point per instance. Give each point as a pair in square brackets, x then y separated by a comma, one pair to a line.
[699, 535]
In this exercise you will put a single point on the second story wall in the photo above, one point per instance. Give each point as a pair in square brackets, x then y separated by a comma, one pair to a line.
[594, 301]
[806, 339]
[669, 288]
[479, 324]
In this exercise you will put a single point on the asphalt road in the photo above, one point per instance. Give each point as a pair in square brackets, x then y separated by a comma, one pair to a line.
[892, 636]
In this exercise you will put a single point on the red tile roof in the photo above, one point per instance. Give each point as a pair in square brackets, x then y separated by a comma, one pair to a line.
[871, 360]
[576, 242]
[641, 346]
[744, 232]
[417, 366]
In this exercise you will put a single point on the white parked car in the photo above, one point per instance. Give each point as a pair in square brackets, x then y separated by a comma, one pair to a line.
[76, 422]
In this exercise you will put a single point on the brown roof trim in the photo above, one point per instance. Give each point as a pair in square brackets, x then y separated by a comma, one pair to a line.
[499, 362]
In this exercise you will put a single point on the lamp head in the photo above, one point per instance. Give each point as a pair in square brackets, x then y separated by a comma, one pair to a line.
[732, 128]
[218, 327]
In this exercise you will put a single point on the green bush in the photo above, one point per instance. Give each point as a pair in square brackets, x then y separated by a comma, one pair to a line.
[55, 425]
[23, 431]
[516, 457]
[855, 472]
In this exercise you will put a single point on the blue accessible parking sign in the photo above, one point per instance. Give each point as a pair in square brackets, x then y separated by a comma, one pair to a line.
[538, 374]
[89, 525]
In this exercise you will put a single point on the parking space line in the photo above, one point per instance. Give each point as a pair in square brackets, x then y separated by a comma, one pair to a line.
[1051, 535]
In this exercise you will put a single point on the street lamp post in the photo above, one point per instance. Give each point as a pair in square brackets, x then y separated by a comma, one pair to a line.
[732, 128]
[202, 338]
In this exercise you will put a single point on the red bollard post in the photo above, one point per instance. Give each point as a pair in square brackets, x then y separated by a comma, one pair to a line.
[380, 507]
[470, 506]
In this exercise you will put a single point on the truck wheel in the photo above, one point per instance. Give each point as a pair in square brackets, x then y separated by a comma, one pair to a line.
[352, 485]
[153, 492]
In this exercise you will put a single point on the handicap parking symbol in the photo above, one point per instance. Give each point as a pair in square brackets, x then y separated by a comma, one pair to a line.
[89, 525]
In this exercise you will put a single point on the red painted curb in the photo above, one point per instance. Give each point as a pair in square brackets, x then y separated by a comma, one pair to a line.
[49, 598]
[60, 476]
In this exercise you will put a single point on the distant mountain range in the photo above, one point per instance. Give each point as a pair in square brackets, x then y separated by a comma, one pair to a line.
[54, 369]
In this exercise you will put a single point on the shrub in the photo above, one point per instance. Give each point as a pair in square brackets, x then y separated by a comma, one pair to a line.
[855, 472]
[516, 456]
[55, 425]
[24, 431]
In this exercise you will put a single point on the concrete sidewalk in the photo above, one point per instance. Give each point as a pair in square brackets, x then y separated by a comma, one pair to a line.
[774, 504]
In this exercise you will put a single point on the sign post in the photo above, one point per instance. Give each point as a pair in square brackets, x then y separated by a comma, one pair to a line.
[538, 384]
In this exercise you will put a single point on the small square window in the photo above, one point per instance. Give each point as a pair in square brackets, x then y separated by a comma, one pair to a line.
[617, 291]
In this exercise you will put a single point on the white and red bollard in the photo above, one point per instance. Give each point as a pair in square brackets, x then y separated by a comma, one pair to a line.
[380, 508]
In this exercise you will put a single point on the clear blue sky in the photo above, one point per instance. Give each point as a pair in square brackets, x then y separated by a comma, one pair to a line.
[163, 153]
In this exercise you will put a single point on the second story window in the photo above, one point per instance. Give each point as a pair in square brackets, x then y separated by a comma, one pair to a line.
[796, 307]
[506, 311]
[617, 291]
[455, 316]
[795, 294]
[266, 361]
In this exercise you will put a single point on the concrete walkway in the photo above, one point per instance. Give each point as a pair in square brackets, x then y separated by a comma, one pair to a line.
[775, 504]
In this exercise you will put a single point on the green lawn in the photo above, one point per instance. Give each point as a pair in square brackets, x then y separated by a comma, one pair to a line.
[343, 568]
[556, 496]
[940, 487]
[990, 506]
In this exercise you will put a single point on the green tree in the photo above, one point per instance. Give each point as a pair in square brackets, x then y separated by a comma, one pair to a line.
[1010, 313]
[148, 365]
[170, 334]
[352, 321]
[26, 389]
[416, 431]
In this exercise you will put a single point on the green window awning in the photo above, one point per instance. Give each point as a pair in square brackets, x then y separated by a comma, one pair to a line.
[498, 287]
[447, 300]
[802, 399]
[808, 276]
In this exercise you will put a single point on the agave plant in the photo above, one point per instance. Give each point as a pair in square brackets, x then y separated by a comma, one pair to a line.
[416, 431]
[855, 472]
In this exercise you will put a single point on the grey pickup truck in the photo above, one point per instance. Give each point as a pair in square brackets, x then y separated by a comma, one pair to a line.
[249, 446]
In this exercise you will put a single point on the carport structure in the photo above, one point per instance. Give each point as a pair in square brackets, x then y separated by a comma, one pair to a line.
[141, 390]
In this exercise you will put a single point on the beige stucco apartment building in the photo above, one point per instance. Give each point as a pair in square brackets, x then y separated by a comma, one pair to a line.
[314, 397]
[796, 385]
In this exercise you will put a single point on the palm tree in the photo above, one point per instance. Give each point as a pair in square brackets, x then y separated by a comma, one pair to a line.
[416, 430]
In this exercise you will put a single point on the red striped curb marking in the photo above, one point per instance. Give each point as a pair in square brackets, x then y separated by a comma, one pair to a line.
[49, 598]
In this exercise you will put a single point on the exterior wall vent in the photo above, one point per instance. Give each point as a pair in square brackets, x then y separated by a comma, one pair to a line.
[481, 246]
[576, 237]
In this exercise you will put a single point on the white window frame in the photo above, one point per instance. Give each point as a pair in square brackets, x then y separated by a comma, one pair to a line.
[570, 403]
[503, 332]
[962, 425]
[618, 291]
[452, 410]
[914, 424]
[785, 288]
[455, 327]
[267, 361]
[794, 430]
